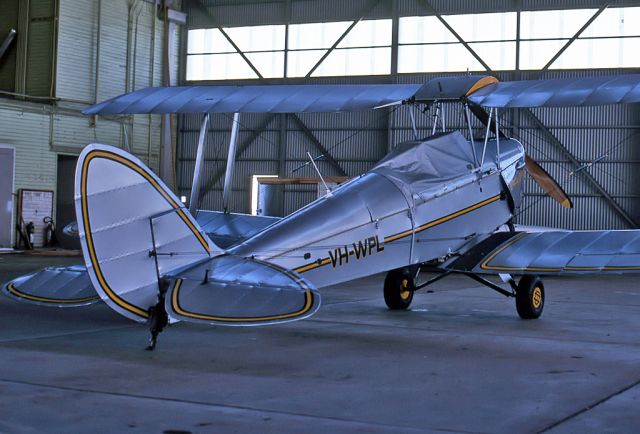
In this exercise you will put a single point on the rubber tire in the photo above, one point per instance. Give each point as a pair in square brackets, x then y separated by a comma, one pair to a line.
[398, 289]
[530, 297]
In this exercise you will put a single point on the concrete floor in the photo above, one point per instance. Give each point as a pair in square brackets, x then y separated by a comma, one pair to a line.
[459, 361]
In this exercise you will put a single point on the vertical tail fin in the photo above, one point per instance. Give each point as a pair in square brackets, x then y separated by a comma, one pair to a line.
[132, 229]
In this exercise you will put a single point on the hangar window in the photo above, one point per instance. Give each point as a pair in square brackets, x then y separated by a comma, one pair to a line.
[427, 45]
[553, 24]
[365, 50]
[211, 56]
[309, 42]
[610, 41]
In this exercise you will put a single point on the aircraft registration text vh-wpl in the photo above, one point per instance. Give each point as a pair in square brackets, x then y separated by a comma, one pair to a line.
[358, 251]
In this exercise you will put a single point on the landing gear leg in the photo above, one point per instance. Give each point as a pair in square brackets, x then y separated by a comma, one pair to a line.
[399, 286]
[158, 318]
[529, 293]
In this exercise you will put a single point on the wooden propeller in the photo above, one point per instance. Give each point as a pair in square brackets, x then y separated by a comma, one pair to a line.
[546, 182]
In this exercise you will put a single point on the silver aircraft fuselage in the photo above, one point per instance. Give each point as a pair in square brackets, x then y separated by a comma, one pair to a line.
[422, 202]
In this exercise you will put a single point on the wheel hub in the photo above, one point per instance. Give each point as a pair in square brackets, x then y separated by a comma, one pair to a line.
[404, 292]
[536, 297]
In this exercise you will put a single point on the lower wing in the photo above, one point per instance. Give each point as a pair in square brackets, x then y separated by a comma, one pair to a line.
[552, 252]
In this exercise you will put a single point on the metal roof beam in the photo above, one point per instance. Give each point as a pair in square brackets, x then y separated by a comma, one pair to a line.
[430, 8]
[555, 141]
[372, 4]
[11, 36]
[574, 37]
[198, 5]
[318, 145]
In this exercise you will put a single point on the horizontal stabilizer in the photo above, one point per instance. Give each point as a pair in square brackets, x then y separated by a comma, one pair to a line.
[229, 290]
[61, 287]
[553, 252]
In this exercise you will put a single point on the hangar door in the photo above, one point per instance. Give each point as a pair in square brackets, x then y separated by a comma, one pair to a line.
[65, 206]
[7, 157]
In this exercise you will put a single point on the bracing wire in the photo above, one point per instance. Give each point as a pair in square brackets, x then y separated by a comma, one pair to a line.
[569, 176]
[330, 148]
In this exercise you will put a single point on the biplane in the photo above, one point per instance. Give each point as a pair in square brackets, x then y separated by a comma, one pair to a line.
[443, 204]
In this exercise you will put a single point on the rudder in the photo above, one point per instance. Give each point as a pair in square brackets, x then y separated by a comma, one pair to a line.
[132, 229]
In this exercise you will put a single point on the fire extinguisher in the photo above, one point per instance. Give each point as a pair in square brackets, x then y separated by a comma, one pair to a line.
[30, 230]
[49, 232]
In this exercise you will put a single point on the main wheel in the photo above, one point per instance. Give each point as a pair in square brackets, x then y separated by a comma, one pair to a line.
[398, 289]
[530, 297]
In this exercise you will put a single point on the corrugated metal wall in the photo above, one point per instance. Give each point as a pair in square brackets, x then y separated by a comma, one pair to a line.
[588, 133]
[27, 128]
[358, 140]
[34, 48]
[126, 52]
[123, 41]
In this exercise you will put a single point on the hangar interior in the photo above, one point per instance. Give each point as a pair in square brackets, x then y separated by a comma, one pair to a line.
[66, 55]
[458, 361]
[411, 42]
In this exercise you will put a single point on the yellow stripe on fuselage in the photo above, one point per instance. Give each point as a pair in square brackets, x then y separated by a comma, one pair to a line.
[409, 232]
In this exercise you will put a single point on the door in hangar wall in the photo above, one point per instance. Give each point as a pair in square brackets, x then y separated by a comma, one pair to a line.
[65, 207]
[7, 160]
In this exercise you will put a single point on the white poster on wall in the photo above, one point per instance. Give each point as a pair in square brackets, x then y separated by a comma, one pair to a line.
[35, 207]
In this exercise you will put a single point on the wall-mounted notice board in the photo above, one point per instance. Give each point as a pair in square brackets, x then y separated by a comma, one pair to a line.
[35, 205]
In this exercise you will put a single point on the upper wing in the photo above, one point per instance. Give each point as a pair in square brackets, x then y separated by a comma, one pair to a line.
[564, 92]
[296, 98]
[255, 99]
[553, 252]
[290, 98]
[230, 290]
